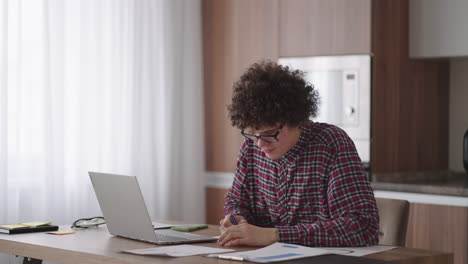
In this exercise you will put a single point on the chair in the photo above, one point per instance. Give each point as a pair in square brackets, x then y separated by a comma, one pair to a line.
[393, 216]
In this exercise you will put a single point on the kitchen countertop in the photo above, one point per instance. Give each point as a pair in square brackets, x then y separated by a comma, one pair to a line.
[433, 182]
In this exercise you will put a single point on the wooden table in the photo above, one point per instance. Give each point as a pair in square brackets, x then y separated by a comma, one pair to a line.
[96, 245]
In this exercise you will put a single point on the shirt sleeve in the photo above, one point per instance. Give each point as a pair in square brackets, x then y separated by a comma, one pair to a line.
[354, 217]
[237, 201]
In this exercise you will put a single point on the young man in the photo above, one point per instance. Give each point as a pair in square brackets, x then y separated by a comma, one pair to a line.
[296, 181]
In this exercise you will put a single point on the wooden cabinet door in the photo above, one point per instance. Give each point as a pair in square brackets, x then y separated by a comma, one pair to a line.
[439, 227]
[410, 98]
[317, 27]
[236, 33]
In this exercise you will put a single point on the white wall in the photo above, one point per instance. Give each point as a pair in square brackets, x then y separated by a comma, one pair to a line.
[458, 111]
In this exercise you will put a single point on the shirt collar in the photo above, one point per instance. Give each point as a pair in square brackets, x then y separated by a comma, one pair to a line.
[297, 149]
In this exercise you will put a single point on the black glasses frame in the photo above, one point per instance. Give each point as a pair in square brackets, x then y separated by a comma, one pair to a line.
[77, 225]
[255, 138]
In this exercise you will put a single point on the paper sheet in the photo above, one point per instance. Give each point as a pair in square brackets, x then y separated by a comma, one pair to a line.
[273, 253]
[358, 251]
[34, 224]
[282, 252]
[14, 226]
[178, 251]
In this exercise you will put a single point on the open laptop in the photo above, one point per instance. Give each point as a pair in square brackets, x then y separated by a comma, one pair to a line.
[126, 215]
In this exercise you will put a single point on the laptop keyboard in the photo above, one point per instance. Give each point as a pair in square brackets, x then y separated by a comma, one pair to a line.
[164, 238]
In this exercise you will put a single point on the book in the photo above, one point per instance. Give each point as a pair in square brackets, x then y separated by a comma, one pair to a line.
[20, 229]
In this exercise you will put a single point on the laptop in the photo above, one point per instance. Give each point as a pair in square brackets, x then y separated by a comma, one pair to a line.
[126, 215]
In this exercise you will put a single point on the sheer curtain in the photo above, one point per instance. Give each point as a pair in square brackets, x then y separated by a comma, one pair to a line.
[109, 85]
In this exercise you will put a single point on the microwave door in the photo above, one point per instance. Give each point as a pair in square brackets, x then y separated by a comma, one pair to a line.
[343, 84]
[329, 86]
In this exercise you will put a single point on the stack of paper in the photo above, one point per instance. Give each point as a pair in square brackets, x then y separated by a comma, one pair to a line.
[281, 252]
[273, 253]
[178, 251]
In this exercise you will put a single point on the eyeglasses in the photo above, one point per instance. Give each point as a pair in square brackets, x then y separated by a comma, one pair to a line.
[89, 222]
[273, 138]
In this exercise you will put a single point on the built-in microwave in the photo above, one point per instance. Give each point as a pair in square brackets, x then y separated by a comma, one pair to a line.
[343, 84]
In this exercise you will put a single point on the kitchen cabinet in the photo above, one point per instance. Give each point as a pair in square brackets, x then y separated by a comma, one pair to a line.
[439, 227]
[317, 27]
[215, 204]
[438, 28]
[409, 97]
[436, 222]
[236, 33]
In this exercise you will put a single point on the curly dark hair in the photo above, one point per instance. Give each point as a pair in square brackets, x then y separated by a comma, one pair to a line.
[269, 93]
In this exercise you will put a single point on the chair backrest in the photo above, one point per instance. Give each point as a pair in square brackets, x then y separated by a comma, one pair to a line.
[393, 216]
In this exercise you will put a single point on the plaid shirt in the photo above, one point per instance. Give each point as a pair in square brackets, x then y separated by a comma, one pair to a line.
[317, 194]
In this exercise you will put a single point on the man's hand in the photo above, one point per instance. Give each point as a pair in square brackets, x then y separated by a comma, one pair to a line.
[247, 234]
[226, 222]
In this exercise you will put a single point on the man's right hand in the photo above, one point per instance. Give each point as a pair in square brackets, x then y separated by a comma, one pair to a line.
[226, 222]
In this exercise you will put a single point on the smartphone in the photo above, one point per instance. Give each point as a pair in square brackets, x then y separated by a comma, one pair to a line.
[189, 228]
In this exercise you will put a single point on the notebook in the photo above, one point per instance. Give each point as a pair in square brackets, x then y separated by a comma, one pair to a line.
[126, 215]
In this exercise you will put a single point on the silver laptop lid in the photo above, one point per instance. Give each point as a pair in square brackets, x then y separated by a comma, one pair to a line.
[123, 206]
[126, 215]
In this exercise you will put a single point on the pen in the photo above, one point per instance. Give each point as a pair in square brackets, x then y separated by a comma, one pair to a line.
[233, 220]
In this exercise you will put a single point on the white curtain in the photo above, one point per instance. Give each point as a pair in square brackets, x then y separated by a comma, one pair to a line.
[100, 85]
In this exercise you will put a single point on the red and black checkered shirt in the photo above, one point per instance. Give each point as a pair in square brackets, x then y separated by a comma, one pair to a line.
[317, 194]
